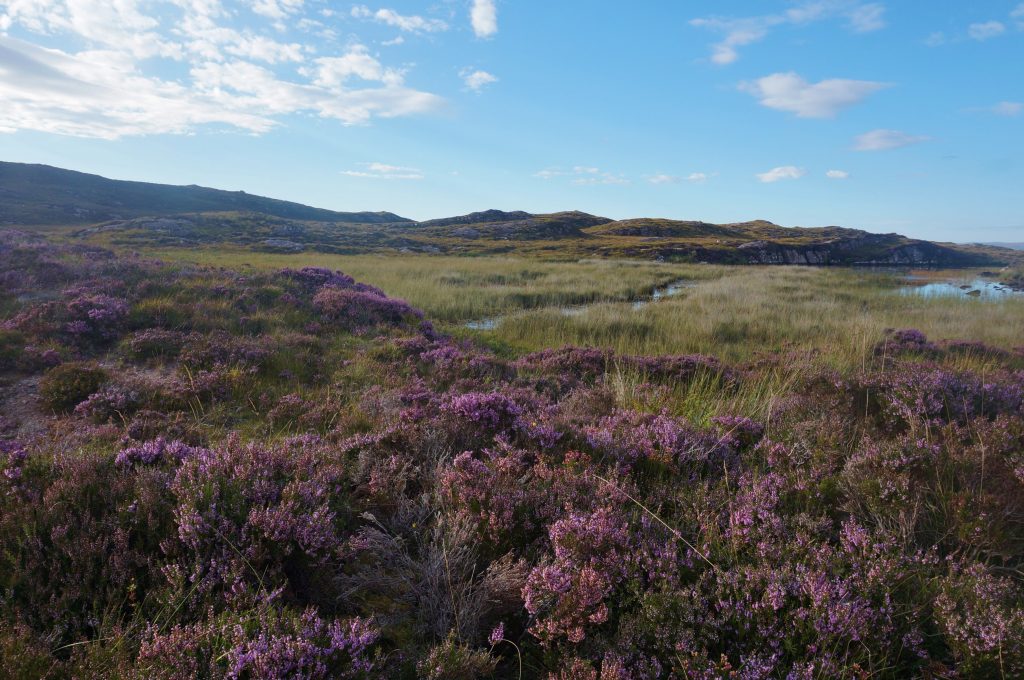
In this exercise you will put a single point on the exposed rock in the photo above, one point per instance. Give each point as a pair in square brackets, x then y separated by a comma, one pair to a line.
[283, 244]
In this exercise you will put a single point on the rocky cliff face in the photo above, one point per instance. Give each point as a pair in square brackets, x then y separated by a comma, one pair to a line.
[868, 250]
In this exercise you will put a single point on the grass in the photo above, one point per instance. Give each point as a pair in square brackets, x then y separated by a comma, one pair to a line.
[748, 311]
[461, 289]
[737, 313]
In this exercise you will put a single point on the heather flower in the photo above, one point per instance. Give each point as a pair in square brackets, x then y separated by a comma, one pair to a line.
[497, 635]
[94, 317]
[568, 594]
[156, 451]
[245, 507]
[982, 617]
[908, 340]
[631, 438]
[109, 403]
[156, 342]
[12, 460]
[265, 645]
[358, 310]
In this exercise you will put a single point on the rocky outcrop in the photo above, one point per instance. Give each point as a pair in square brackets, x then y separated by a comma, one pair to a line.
[482, 217]
[512, 226]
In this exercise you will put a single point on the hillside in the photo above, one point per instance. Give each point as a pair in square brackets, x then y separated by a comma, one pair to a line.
[140, 215]
[44, 195]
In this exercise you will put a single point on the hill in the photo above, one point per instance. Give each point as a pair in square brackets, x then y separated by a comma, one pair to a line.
[44, 195]
[139, 215]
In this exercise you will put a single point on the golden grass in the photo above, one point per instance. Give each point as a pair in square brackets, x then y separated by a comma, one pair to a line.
[460, 289]
[734, 313]
[752, 310]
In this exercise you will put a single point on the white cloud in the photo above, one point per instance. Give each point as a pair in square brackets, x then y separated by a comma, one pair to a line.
[484, 18]
[693, 178]
[334, 71]
[781, 173]
[276, 9]
[601, 178]
[824, 99]
[986, 30]
[740, 32]
[867, 18]
[476, 79]
[410, 24]
[385, 171]
[837, 174]
[584, 175]
[109, 88]
[1018, 15]
[1008, 109]
[882, 140]
[395, 41]
[265, 49]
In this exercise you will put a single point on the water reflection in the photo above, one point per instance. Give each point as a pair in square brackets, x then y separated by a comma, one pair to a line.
[976, 288]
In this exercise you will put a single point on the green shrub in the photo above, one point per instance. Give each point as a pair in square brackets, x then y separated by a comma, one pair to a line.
[11, 343]
[66, 386]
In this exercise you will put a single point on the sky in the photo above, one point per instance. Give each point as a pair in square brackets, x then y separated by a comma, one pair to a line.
[902, 116]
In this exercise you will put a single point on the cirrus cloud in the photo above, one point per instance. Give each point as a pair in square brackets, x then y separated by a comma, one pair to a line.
[385, 171]
[409, 24]
[986, 30]
[739, 32]
[883, 140]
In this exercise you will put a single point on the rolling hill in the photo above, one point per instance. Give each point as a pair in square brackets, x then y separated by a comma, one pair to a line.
[140, 215]
[44, 195]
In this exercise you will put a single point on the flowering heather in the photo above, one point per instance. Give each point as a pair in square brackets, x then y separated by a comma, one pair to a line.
[355, 309]
[630, 439]
[212, 474]
[271, 644]
[156, 451]
[903, 341]
[96, 317]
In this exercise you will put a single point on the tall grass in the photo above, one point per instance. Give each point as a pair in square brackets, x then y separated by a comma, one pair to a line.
[749, 311]
[736, 313]
[460, 289]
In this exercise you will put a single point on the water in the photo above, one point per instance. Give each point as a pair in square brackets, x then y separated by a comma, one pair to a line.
[976, 288]
[488, 324]
[661, 292]
[670, 290]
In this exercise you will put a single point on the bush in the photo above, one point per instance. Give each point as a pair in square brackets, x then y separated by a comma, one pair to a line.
[11, 343]
[66, 386]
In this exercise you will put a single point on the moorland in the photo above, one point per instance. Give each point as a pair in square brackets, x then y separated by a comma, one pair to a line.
[226, 459]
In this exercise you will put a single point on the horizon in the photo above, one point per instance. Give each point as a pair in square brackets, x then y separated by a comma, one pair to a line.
[865, 115]
[1010, 244]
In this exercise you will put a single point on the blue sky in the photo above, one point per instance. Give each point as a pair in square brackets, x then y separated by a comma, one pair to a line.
[898, 116]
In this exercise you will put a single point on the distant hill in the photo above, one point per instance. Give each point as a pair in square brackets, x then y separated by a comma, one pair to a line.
[1014, 246]
[512, 226]
[44, 195]
[139, 215]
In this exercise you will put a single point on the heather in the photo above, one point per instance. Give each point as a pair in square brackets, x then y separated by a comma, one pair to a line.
[286, 472]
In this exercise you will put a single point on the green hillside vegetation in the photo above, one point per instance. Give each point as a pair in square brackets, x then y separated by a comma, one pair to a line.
[44, 195]
[138, 215]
